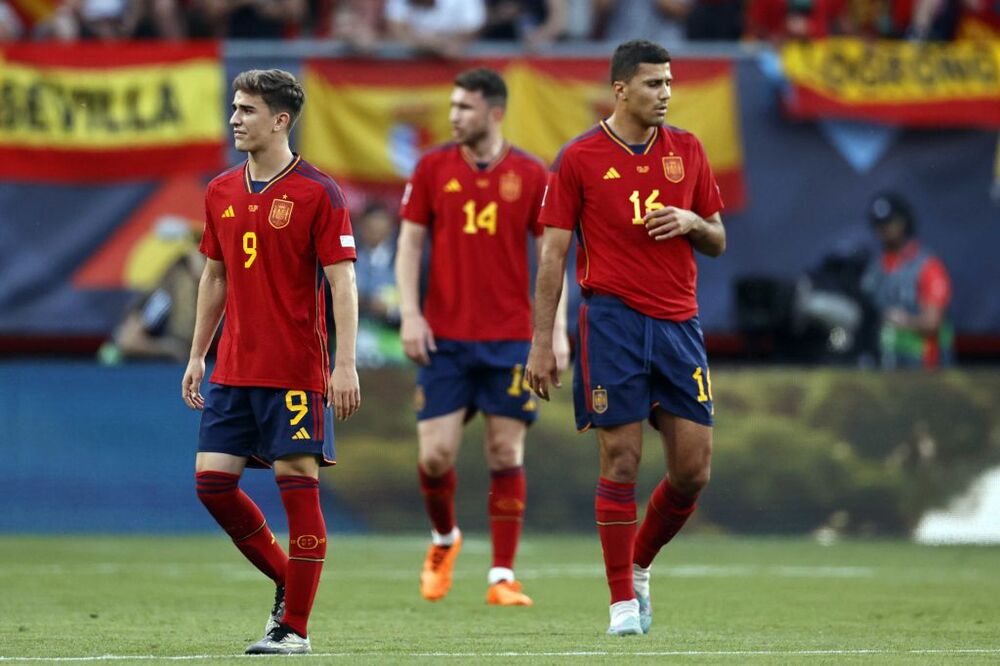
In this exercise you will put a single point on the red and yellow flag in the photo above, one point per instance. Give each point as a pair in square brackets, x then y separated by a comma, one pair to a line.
[368, 122]
[954, 84]
[93, 112]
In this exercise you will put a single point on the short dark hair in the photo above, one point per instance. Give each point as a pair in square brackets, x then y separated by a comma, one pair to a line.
[279, 89]
[888, 206]
[629, 55]
[486, 81]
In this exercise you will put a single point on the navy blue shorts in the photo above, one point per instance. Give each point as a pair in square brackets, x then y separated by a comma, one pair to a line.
[264, 424]
[629, 364]
[477, 376]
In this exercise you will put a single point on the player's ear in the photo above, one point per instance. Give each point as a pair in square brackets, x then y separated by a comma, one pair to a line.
[497, 113]
[619, 89]
[282, 121]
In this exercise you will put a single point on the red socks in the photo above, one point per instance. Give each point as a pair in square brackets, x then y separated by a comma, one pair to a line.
[667, 512]
[439, 498]
[306, 547]
[614, 507]
[506, 508]
[237, 514]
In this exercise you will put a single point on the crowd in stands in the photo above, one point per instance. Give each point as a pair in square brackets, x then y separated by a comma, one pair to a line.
[445, 27]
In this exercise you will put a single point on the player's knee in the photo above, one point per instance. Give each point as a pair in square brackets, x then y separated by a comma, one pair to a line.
[504, 453]
[436, 462]
[692, 480]
[621, 466]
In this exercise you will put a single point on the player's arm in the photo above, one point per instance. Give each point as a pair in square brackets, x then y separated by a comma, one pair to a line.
[343, 391]
[414, 331]
[706, 234]
[208, 314]
[542, 367]
[560, 338]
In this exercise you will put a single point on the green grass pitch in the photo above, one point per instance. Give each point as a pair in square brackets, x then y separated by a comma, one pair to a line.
[715, 599]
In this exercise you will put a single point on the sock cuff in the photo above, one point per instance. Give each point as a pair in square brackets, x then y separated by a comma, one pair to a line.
[614, 492]
[431, 483]
[510, 472]
[288, 483]
[208, 483]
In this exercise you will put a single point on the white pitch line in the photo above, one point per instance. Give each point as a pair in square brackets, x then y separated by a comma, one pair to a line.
[592, 653]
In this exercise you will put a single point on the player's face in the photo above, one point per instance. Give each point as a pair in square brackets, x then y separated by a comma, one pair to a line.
[647, 94]
[470, 116]
[254, 126]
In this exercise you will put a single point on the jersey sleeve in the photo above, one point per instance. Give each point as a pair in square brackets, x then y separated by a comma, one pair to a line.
[332, 231]
[563, 198]
[707, 199]
[540, 177]
[416, 205]
[933, 285]
[210, 246]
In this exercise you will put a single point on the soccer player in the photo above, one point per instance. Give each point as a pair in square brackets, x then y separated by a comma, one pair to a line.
[478, 198]
[642, 199]
[270, 224]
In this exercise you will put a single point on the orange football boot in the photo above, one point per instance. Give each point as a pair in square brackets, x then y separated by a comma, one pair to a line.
[507, 593]
[435, 579]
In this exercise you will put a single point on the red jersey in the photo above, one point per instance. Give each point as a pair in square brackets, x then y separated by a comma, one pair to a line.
[273, 243]
[480, 220]
[601, 188]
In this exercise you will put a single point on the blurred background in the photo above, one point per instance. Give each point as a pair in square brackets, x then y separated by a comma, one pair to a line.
[853, 324]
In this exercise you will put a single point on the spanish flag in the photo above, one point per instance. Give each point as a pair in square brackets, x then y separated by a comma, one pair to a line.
[954, 84]
[368, 122]
[94, 112]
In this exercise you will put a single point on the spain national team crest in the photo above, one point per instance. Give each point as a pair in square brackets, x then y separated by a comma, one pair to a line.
[419, 399]
[673, 168]
[510, 186]
[281, 213]
[599, 400]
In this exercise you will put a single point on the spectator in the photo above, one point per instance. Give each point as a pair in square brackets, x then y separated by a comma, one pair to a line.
[160, 325]
[780, 20]
[935, 20]
[10, 25]
[535, 23]
[878, 19]
[357, 22]
[979, 19]
[378, 298]
[252, 19]
[442, 28]
[128, 19]
[910, 288]
[657, 20]
[715, 20]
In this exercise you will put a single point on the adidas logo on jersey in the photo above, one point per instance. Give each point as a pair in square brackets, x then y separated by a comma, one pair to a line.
[611, 174]
[301, 433]
[229, 212]
[453, 186]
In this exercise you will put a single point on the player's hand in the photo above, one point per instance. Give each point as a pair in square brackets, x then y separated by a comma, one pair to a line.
[897, 317]
[191, 384]
[541, 370]
[417, 338]
[670, 222]
[560, 347]
[343, 392]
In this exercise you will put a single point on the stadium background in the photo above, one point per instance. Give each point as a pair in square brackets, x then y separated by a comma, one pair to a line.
[800, 447]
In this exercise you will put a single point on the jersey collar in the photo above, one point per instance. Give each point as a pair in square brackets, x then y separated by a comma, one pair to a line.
[281, 174]
[624, 144]
[471, 160]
